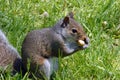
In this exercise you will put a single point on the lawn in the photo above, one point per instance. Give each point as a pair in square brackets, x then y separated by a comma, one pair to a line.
[100, 20]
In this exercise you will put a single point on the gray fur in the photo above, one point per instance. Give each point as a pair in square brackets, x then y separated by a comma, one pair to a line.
[42, 47]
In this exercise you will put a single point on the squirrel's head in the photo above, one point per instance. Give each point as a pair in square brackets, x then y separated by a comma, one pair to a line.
[73, 32]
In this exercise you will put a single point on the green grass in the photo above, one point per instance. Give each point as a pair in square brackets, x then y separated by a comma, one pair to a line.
[101, 61]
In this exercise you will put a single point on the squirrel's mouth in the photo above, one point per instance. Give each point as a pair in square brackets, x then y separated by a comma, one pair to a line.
[83, 43]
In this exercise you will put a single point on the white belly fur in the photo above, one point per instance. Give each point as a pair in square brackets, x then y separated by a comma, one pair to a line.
[50, 66]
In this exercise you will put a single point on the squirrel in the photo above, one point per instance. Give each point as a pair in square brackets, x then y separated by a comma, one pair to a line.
[42, 48]
[9, 57]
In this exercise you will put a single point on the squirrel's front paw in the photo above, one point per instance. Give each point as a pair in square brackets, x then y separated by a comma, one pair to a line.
[68, 49]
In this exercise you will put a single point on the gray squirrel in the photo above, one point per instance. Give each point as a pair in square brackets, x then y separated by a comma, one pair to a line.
[42, 48]
[9, 57]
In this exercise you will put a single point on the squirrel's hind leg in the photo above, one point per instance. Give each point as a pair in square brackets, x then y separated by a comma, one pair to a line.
[46, 69]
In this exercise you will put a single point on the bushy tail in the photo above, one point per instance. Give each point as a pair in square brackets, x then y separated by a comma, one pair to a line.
[9, 55]
[3, 38]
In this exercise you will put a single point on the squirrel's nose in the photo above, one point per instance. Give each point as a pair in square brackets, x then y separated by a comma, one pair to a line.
[86, 40]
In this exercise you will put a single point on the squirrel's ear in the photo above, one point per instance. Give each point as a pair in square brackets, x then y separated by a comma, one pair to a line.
[65, 21]
[71, 15]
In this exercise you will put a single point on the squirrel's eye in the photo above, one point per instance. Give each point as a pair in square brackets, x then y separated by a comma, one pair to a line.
[74, 30]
